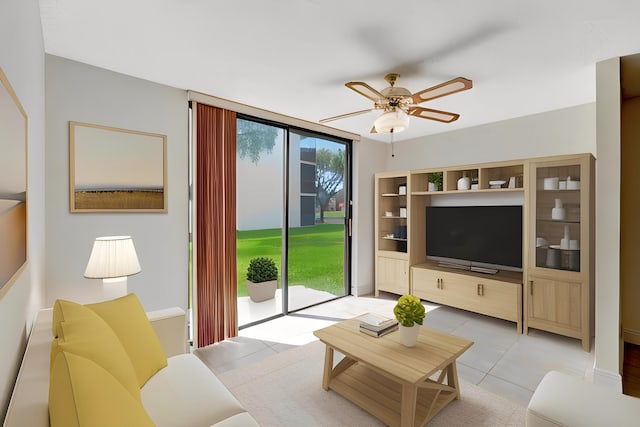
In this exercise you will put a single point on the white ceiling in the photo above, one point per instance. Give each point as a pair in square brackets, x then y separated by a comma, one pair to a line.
[294, 56]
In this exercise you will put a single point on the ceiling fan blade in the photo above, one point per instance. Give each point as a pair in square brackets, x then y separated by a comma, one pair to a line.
[447, 88]
[344, 116]
[366, 91]
[427, 113]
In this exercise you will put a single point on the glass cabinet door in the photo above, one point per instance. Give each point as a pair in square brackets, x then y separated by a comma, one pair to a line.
[557, 221]
[392, 214]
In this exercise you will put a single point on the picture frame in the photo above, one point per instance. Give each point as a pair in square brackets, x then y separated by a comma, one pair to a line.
[116, 170]
[13, 185]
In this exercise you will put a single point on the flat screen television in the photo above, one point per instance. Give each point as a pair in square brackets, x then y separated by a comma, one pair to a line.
[485, 236]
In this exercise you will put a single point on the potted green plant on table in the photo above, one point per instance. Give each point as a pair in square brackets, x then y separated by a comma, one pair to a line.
[409, 312]
[262, 279]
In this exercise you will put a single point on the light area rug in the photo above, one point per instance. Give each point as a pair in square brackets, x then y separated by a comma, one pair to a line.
[286, 390]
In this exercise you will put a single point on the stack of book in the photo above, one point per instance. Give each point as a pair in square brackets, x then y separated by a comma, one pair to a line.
[377, 325]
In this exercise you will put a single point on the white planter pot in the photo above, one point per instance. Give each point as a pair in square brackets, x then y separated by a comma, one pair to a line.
[409, 335]
[262, 291]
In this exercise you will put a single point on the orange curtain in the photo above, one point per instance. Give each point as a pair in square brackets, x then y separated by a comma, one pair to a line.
[216, 224]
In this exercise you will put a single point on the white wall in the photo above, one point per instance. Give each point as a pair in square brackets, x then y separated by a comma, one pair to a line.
[79, 92]
[566, 131]
[608, 343]
[22, 60]
[369, 157]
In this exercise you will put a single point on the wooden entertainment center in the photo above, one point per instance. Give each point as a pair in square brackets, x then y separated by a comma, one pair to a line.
[555, 289]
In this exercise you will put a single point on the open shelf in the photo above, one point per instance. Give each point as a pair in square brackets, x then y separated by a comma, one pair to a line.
[381, 396]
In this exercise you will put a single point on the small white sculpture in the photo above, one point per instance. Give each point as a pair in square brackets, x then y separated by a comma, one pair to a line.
[558, 212]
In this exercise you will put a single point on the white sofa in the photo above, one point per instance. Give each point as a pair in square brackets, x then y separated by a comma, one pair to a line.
[184, 394]
[569, 401]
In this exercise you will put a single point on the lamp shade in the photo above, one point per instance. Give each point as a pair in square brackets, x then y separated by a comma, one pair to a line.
[394, 120]
[112, 256]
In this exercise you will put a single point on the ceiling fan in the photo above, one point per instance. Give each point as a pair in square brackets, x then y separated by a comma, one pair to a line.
[398, 103]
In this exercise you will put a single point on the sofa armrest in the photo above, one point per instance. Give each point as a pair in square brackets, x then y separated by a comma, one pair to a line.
[565, 400]
[29, 405]
[170, 324]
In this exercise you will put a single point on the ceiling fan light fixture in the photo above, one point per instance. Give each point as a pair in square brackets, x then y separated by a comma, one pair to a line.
[394, 121]
[397, 103]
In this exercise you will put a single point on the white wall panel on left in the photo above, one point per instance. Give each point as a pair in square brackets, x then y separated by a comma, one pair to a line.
[369, 157]
[83, 93]
[22, 60]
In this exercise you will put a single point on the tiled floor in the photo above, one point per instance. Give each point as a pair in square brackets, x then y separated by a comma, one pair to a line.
[501, 360]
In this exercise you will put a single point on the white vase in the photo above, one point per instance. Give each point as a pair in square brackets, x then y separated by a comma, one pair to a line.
[409, 334]
[565, 241]
[558, 212]
[464, 183]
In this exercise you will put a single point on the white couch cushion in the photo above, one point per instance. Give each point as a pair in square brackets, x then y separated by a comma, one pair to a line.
[564, 400]
[186, 392]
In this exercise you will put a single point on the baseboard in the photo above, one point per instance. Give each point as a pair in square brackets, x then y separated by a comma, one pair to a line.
[607, 378]
[362, 290]
[631, 336]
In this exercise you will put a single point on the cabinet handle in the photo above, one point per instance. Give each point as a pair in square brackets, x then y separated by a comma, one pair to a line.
[480, 289]
[531, 287]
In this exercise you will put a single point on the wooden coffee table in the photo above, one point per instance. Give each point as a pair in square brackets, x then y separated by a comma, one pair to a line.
[401, 386]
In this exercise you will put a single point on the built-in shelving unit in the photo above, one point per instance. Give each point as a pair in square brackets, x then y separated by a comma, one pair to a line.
[549, 295]
[559, 285]
[392, 239]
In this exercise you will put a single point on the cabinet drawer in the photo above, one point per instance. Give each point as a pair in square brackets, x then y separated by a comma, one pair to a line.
[478, 294]
[493, 298]
[429, 285]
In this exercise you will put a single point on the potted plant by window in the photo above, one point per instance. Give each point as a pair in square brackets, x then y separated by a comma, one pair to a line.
[262, 279]
[409, 312]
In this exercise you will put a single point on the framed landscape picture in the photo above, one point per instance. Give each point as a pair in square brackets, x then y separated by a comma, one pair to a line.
[13, 185]
[116, 170]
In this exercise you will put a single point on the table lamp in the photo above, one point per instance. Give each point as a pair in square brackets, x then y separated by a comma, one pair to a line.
[112, 259]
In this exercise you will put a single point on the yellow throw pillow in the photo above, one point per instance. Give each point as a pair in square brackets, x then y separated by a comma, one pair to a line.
[82, 393]
[52, 354]
[91, 338]
[66, 310]
[129, 321]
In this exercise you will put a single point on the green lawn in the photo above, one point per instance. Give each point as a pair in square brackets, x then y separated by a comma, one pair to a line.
[334, 214]
[316, 255]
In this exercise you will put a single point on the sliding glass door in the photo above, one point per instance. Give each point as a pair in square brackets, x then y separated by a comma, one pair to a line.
[260, 161]
[317, 239]
[292, 207]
